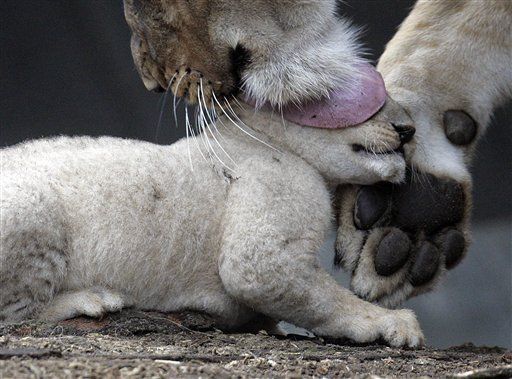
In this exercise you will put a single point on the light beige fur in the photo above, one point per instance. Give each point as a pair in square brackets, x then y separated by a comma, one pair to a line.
[450, 55]
[447, 55]
[93, 225]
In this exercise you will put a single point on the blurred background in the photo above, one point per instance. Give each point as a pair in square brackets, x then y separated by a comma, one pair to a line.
[66, 68]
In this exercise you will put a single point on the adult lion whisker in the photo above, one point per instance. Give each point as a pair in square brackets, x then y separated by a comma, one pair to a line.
[205, 126]
[230, 119]
[202, 134]
[187, 125]
[216, 118]
[282, 118]
[162, 107]
[238, 126]
[213, 123]
[237, 102]
[195, 138]
[175, 103]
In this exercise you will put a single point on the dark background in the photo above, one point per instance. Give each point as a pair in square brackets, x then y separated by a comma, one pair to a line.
[66, 68]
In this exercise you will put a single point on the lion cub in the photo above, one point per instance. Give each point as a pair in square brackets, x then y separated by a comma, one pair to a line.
[92, 225]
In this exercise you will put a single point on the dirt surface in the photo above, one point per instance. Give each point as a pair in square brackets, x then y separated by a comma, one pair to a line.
[144, 344]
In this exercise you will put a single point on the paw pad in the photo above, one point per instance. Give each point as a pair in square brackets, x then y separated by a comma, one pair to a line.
[392, 253]
[402, 235]
[425, 264]
[372, 204]
[428, 203]
[459, 127]
[452, 245]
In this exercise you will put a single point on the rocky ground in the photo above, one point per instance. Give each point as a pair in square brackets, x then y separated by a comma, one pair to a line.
[142, 344]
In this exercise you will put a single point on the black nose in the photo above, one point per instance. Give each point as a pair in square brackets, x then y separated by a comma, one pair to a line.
[405, 132]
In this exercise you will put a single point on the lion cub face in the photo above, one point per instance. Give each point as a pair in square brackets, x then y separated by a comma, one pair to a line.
[275, 51]
[373, 151]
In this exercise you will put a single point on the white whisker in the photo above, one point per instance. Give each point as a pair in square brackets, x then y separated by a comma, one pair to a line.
[213, 123]
[187, 125]
[282, 118]
[204, 125]
[195, 138]
[217, 131]
[175, 111]
[162, 107]
[175, 104]
[237, 102]
[217, 119]
[238, 126]
[230, 108]
[201, 133]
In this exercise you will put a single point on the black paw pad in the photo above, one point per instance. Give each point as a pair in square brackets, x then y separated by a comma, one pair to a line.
[392, 252]
[452, 245]
[459, 127]
[425, 264]
[372, 204]
[428, 203]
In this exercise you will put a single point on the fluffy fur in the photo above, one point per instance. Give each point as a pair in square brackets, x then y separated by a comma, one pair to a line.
[94, 225]
[447, 55]
[320, 53]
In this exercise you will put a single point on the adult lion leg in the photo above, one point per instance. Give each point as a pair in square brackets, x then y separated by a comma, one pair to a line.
[275, 223]
[449, 66]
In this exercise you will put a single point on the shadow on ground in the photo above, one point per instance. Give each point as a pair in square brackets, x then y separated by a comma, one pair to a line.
[148, 344]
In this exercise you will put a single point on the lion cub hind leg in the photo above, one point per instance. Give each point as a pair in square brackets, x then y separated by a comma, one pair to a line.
[275, 223]
[94, 302]
[33, 245]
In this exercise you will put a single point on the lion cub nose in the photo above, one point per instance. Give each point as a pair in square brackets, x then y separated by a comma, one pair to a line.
[405, 132]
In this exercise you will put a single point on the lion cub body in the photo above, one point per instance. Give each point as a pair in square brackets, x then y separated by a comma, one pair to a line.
[94, 225]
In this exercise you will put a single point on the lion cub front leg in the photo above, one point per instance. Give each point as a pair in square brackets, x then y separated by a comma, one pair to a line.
[274, 225]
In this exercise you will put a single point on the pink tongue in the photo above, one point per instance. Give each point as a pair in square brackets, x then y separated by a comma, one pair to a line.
[344, 107]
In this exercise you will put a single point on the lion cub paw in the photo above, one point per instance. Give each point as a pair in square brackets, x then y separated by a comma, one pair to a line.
[401, 328]
[91, 302]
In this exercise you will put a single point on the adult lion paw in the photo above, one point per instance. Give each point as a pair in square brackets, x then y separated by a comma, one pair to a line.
[398, 239]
